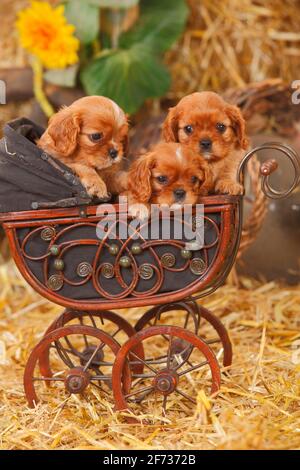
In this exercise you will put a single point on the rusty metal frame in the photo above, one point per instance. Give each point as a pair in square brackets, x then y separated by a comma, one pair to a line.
[227, 206]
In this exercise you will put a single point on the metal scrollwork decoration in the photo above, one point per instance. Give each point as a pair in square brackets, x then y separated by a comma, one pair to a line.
[268, 167]
[48, 233]
[125, 267]
[55, 282]
[197, 266]
[146, 271]
[168, 260]
[107, 270]
[84, 269]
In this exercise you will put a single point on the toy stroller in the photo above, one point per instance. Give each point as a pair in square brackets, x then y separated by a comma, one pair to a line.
[51, 225]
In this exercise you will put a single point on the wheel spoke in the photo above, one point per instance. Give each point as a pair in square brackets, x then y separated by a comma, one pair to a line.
[143, 376]
[100, 388]
[93, 321]
[159, 360]
[116, 332]
[186, 319]
[201, 364]
[213, 341]
[84, 336]
[71, 349]
[92, 356]
[74, 352]
[177, 357]
[157, 318]
[105, 364]
[169, 352]
[142, 397]
[184, 361]
[141, 390]
[101, 346]
[61, 350]
[144, 362]
[100, 377]
[183, 394]
[49, 379]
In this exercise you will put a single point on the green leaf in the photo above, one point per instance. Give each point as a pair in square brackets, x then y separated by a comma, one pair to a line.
[128, 77]
[85, 18]
[160, 24]
[62, 77]
[114, 3]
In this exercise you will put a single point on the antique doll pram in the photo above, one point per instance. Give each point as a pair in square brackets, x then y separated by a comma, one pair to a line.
[51, 224]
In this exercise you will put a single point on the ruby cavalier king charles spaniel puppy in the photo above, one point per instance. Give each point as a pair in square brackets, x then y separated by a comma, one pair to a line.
[214, 130]
[90, 137]
[169, 175]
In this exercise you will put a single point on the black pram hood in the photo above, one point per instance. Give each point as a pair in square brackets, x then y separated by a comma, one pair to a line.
[30, 178]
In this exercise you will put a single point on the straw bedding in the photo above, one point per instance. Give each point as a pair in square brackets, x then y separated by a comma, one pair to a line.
[234, 42]
[257, 407]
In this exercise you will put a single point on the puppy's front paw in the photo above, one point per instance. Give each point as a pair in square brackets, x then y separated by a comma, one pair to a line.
[229, 187]
[139, 211]
[95, 187]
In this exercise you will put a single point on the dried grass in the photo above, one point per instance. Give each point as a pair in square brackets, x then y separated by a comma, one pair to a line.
[234, 42]
[257, 407]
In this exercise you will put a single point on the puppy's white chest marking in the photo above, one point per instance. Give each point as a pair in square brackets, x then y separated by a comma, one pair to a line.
[179, 155]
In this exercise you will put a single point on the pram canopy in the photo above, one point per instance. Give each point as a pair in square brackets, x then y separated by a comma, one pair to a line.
[31, 178]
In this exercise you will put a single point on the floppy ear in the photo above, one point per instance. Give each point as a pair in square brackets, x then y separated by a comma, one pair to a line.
[238, 123]
[125, 143]
[139, 177]
[62, 132]
[170, 126]
[207, 186]
[125, 138]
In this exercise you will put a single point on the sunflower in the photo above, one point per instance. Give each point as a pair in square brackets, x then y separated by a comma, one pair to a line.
[45, 33]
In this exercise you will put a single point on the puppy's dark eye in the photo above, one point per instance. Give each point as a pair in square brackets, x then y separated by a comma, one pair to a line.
[194, 179]
[220, 127]
[188, 129]
[162, 179]
[96, 136]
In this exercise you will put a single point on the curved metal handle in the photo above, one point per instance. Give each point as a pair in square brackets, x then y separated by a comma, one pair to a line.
[270, 166]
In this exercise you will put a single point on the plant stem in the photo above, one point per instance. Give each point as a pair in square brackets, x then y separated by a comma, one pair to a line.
[116, 27]
[38, 87]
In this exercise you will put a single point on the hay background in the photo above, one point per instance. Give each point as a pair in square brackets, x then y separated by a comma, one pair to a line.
[231, 43]
[257, 408]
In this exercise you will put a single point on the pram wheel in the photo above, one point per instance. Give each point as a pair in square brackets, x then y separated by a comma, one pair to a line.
[74, 365]
[191, 320]
[153, 316]
[112, 323]
[165, 371]
[222, 338]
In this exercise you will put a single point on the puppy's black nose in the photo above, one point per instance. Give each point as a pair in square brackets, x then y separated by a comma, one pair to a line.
[205, 144]
[179, 194]
[113, 153]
